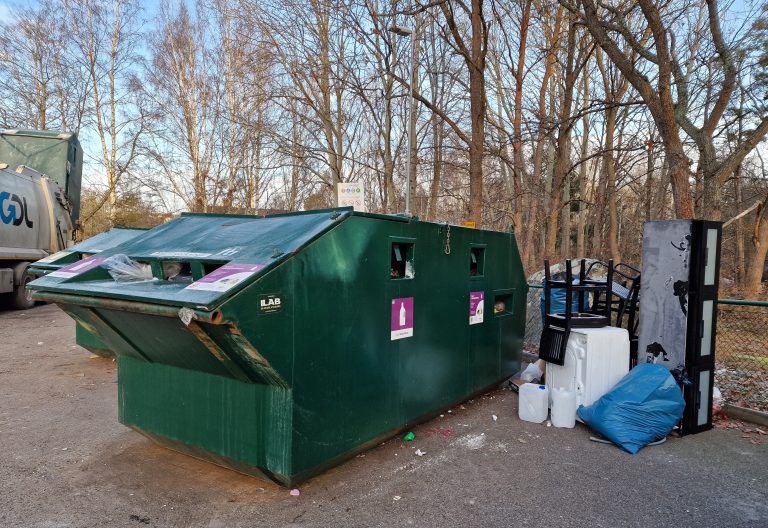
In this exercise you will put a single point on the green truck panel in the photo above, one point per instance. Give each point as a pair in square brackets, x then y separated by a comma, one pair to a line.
[58, 155]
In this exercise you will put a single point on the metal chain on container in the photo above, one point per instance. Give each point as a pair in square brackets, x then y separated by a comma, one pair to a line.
[448, 239]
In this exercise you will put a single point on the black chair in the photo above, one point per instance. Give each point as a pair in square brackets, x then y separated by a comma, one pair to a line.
[557, 326]
[625, 290]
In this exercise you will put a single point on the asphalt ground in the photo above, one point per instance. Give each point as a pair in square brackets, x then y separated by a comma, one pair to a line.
[65, 461]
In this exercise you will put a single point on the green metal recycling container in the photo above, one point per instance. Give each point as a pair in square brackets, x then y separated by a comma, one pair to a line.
[96, 244]
[279, 346]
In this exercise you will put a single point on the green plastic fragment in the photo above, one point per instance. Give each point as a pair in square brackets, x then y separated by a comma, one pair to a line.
[408, 437]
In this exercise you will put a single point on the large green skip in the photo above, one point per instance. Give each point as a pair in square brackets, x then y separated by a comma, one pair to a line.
[278, 346]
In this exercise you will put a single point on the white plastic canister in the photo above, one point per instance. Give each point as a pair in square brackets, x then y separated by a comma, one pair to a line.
[563, 407]
[533, 402]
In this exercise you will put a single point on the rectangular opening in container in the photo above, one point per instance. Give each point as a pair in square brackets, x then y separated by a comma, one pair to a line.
[401, 261]
[211, 266]
[177, 271]
[502, 304]
[476, 261]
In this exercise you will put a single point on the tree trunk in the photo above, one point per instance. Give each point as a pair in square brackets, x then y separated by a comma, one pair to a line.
[609, 168]
[565, 223]
[679, 177]
[760, 241]
[580, 234]
[649, 170]
[562, 158]
[437, 166]
[477, 113]
[537, 176]
[390, 205]
[517, 129]
[740, 254]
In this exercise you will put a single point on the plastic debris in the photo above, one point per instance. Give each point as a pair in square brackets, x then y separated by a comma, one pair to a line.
[717, 400]
[494, 417]
[295, 492]
[717, 396]
[186, 315]
[419, 452]
[409, 436]
[549, 424]
[123, 269]
[531, 373]
[396, 497]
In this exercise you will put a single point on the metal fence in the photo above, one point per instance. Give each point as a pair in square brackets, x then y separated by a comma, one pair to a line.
[741, 352]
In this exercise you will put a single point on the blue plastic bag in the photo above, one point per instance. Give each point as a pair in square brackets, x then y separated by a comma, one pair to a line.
[642, 408]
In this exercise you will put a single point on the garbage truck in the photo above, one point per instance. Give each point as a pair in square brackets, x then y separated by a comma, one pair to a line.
[40, 176]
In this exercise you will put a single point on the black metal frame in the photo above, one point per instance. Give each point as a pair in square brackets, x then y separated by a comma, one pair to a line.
[627, 294]
[698, 292]
[557, 326]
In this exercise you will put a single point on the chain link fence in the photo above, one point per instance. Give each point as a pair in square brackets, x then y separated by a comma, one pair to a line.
[741, 351]
[533, 324]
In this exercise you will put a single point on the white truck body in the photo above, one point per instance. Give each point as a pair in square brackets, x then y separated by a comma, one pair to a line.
[38, 212]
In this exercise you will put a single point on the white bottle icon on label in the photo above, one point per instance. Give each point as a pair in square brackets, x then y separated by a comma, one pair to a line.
[402, 314]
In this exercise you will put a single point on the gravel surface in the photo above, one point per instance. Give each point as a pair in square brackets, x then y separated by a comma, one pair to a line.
[67, 462]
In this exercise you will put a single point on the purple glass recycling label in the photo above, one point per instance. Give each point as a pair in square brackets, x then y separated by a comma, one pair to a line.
[476, 307]
[402, 318]
[226, 277]
[76, 268]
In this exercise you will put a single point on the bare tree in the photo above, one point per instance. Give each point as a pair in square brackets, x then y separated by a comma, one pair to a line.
[670, 101]
[184, 101]
[43, 84]
[106, 37]
[576, 58]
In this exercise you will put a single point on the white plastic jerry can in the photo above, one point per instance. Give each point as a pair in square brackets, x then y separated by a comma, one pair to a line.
[563, 408]
[533, 403]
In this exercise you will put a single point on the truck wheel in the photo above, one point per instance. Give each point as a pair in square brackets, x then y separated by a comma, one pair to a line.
[22, 297]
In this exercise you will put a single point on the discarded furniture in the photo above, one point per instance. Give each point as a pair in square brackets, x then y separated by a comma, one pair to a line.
[557, 326]
[625, 292]
[678, 309]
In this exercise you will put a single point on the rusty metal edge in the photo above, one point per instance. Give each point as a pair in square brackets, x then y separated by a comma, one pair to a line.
[210, 317]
